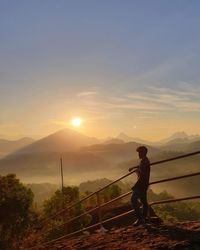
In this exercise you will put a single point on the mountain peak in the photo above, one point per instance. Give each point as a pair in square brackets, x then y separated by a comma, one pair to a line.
[124, 137]
[179, 137]
[61, 141]
[179, 134]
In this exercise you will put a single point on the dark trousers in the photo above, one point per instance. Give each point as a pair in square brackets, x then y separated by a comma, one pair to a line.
[142, 196]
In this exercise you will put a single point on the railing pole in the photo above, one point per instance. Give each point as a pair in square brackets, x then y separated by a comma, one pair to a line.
[65, 228]
[99, 209]
[102, 229]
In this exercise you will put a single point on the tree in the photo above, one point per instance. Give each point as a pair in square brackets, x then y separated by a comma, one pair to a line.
[177, 211]
[15, 210]
[111, 192]
[158, 197]
[59, 201]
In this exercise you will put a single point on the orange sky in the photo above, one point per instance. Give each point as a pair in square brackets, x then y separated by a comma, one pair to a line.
[131, 68]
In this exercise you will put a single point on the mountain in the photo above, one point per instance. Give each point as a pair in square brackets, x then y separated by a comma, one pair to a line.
[94, 185]
[84, 158]
[124, 137]
[145, 142]
[194, 146]
[179, 167]
[66, 140]
[42, 192]
[114, 141]
[181, 145]
[178, 137]
[45, 167]
[8, 146]
[117, 153]
[40, 161]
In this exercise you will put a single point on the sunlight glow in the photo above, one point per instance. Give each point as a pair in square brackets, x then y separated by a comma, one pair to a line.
[76, 122]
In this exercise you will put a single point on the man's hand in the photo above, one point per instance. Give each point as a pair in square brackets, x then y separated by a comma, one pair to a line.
[130, 169]
[136, 170]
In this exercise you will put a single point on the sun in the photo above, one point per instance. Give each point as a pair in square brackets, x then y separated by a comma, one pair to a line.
[76, 122]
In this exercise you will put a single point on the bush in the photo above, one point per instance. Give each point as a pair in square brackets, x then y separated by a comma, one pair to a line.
[15, 210]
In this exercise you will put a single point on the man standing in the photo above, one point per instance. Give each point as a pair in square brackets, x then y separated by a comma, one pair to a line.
[141, 186]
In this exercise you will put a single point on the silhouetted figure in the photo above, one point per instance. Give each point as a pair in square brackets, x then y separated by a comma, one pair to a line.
[141, 186]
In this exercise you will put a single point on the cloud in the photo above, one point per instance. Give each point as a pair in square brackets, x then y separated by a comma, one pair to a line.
[151, 102]
[87, 93]
[136, 105]
[9, 125]
[184, 98]
[154, 99]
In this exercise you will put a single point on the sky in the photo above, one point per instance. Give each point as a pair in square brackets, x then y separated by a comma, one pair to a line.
[122, 66]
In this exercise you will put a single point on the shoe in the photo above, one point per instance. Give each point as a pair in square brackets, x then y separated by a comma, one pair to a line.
[138, 222]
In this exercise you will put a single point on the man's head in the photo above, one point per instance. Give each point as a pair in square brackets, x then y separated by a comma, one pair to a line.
[142, 151]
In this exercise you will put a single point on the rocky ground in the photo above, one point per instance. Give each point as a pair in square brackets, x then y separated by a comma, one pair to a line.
[185, 235]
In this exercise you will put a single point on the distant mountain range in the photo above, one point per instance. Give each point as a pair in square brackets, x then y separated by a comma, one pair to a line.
[122, 138]
[179, 137]
[8, 146]
[70, 140]
[84, 157]
[42, 158]
[116, 153]
[179, 141]
[66, 140]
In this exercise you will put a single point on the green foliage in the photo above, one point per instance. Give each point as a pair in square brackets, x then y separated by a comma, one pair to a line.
[111, 192]
[95, 185]
[59, 201]
[176, 211]
[195, 206]
[64, 199]
[179, 211]
[41, 191]
[106, 195]
[15, 210]
[158, 197]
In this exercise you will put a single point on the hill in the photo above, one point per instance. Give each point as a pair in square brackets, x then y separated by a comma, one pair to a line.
[94, 185]
[40, 161]
[42, 192]
[113, 141]
[179, 137]
[45, 167]
[117, 153]
[66, 140]
[181, 145]
[84, 158]
[171, 169]
[177, 236]
[9, 146]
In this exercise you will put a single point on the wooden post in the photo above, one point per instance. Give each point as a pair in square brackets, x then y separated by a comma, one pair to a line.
[62, 190]
[61, 171]
[99, 209]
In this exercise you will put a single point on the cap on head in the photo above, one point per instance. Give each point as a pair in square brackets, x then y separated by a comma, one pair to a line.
[142, 149]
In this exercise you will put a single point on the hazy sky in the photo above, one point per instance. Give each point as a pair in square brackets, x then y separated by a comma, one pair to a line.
[131, 66]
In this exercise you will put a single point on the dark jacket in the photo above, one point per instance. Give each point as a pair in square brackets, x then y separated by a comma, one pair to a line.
[143, 175]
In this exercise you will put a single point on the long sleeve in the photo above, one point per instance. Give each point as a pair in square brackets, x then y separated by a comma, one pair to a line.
[143, 174]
